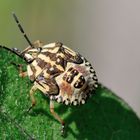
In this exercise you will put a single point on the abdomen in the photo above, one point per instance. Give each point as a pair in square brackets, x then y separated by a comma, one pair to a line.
[76, 83]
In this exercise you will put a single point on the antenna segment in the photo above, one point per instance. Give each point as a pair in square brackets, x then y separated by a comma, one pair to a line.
[21, 29]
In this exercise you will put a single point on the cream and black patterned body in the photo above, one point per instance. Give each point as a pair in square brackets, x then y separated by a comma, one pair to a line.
[60, 73]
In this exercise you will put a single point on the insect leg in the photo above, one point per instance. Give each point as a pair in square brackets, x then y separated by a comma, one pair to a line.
[32, 91]
[56, 116]
[21, 72]
[20, 69]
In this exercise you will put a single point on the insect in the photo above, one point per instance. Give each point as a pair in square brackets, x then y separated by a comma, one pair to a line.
[58, 72]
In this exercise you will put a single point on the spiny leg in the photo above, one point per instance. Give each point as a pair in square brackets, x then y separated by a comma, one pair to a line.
[32, 91]
[56, 116]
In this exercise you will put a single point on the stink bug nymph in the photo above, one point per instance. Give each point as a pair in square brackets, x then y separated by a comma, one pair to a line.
[58, 72]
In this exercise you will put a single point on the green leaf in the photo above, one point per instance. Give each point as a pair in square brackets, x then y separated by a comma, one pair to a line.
[104, 117]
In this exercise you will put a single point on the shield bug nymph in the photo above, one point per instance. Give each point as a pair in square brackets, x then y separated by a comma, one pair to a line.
[58, 72]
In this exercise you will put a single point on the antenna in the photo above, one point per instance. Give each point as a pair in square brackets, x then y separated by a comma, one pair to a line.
[22, 31]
